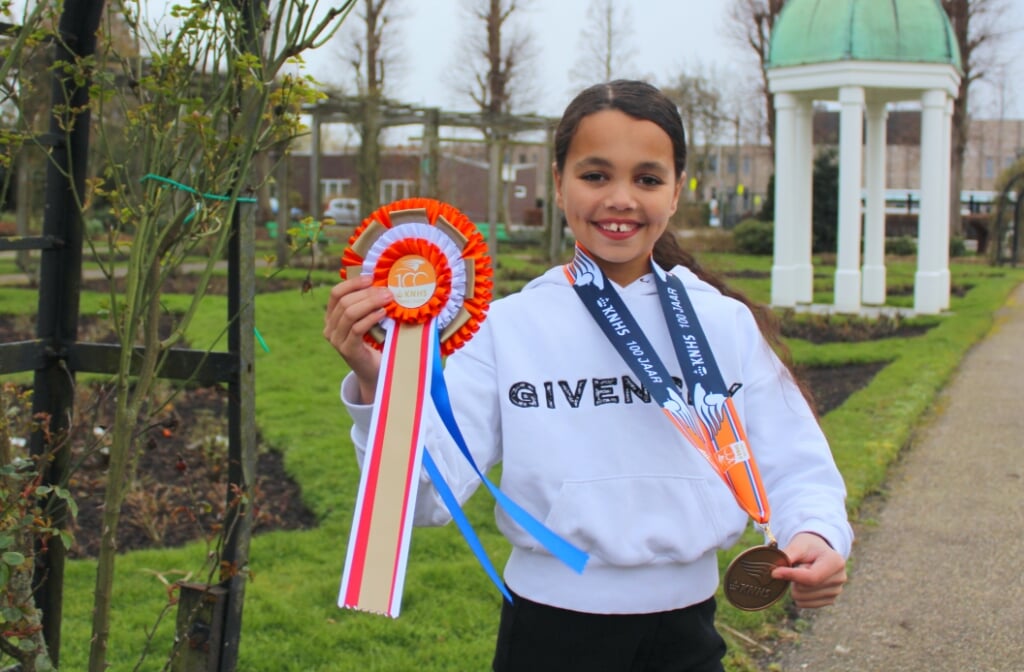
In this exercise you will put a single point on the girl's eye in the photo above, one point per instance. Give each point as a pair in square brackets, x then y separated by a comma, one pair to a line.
[650, 180]
[592, 177]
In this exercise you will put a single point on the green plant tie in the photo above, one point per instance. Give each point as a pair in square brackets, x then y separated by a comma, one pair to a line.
[214, 197]
[184, 187]
[259, 337]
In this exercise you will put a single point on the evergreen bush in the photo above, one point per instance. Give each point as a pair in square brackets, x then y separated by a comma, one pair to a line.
[901, 246]
[752, 236]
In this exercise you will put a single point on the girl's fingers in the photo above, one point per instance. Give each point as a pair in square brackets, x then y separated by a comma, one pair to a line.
[353, 308]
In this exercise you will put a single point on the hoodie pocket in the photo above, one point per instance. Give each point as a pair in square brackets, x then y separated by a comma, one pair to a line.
[639, 519]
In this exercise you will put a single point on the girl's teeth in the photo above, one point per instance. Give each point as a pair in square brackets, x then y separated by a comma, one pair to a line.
[616, 227]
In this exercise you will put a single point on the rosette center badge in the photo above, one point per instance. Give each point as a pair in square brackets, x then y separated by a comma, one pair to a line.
[412, 281]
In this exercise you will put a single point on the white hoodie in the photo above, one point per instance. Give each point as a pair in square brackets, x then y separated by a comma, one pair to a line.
[585, 450]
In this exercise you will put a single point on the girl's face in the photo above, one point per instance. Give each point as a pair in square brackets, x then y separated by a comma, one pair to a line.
[618, 189]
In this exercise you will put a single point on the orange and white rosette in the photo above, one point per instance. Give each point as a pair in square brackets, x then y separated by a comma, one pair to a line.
[434, 262]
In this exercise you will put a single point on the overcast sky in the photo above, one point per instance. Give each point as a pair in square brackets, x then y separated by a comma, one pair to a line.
[669, 36]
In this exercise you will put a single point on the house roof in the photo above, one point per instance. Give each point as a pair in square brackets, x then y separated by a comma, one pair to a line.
[824, 31]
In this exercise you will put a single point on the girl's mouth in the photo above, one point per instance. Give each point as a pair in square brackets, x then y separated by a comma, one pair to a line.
[618, 227]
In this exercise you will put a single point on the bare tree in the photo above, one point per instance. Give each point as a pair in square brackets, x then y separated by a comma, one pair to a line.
[493, 69]
[750, 25]
[706, 116]
[494, 72]
[975, 26]
[605, 52]
[370, 50]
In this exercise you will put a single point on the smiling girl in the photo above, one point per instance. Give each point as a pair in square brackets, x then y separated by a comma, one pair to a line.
[554, 390]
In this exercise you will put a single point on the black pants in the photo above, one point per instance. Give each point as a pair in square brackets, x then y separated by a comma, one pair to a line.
[535, 637]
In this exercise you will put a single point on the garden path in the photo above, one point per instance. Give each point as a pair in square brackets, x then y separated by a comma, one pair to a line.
[936, 583]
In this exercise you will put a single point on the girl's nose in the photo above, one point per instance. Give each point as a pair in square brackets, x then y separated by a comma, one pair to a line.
[620, 196]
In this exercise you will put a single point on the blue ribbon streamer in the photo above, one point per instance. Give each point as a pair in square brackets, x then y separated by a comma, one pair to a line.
[572, 556]
[449, 499]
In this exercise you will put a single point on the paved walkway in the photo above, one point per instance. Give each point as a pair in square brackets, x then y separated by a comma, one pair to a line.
[938, 584]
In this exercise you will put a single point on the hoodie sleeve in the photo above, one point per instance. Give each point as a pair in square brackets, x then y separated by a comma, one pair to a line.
[805, 488]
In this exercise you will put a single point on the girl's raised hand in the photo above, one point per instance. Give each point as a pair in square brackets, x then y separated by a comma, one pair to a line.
[353, 308]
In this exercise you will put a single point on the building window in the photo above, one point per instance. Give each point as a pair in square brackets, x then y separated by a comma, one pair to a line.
[394, 190]
[334, 188]
[990, 168]
[746, 165]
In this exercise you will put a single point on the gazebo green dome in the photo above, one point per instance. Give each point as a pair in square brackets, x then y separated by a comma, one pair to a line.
[825, 31]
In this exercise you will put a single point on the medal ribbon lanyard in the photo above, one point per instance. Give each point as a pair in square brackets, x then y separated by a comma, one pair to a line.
[716, 431]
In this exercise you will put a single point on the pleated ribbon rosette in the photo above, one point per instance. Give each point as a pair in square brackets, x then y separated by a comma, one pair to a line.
[434, 261]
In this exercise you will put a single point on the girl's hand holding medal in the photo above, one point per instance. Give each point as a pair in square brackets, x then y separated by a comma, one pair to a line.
[817, 572]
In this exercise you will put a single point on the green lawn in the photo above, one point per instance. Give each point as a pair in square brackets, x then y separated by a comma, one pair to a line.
[450, 609]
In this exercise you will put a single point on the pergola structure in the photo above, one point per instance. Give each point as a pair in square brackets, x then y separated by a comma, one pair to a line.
[350, 110]
[866, 54]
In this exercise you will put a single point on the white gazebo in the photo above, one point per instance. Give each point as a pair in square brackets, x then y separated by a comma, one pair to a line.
[866, 54]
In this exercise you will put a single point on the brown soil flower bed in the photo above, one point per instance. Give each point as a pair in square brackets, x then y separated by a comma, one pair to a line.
[848, 329]
[756, 275]
[831, 385]
[958, 290]
[179, 485]
[179, 488]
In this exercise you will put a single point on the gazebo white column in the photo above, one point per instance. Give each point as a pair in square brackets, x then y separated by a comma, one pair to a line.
[873, 289]
[803, 174]
[931, 282]
[783, 291]
[851, 150]
[947, 135]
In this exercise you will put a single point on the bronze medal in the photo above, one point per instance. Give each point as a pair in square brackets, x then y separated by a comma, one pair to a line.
[748, 580]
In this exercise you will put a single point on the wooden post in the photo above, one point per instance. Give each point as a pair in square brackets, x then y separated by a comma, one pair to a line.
[431, 154]
[493, 195]
[60, 283]
[199, 628]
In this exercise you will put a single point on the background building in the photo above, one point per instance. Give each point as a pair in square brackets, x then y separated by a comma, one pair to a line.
[735, 177]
